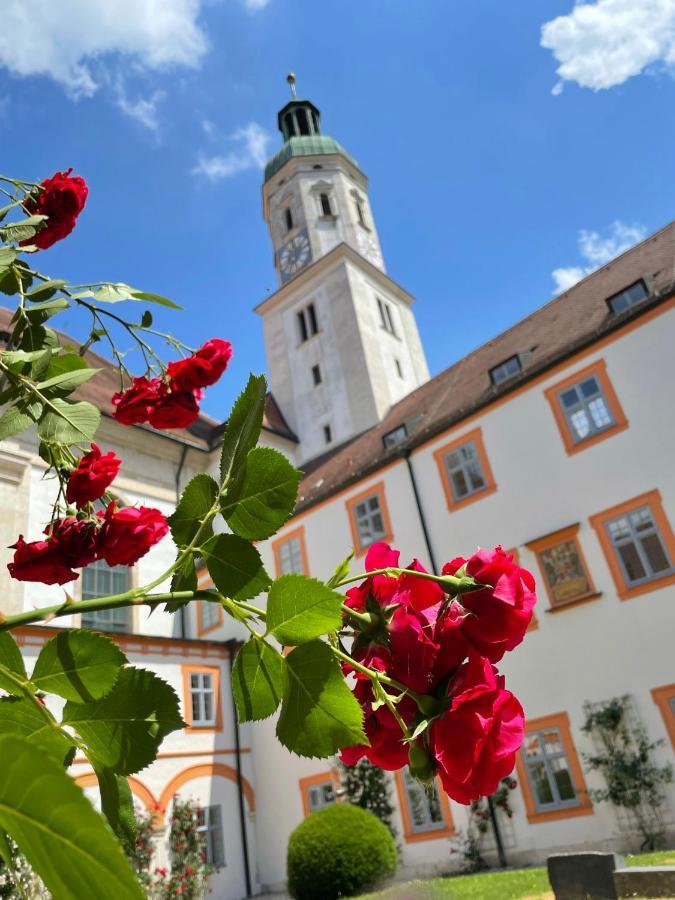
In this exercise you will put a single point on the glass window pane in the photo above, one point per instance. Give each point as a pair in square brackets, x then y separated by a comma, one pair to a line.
[552, 743]
[459, 486]
[423, 805]
[600, 413]
[589, 387]
[196, 706]
[563, 779]
[208, 706]
[195, 681]
[569, 397]
[631, 562]
[656, 555]
[540, 783]
[532, 746]
[580, 422]
[475, 476]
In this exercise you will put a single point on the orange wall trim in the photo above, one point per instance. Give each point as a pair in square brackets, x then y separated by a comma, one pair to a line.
[311, 780]
[138, 789]
[178, 754]
[188, 670]
[36, 635]
[652, 499]
[662, 697]
[529, 385]
[599, 371]
[209, 770]
[374, 489]
[563, 536]
[585, 808]
[444, 830]
[298, 533]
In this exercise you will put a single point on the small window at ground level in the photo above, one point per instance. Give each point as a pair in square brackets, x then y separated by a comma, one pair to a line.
[210, 829]
[639, 546]
[290, 557]
[394, 437]
[101, 580]
[316, 374]
[424, 807]
[320, 795]
[548, 770]
[630, 296]
[505, 370]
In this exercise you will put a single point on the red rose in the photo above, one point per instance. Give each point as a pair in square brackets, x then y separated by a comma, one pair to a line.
[413, 649]
[95, 473]
[422, 592]
[134, 405]
[76, 539]
[476, 739]
[176, 410]
[202, 368]
[453, 647]
[62, 199]
[128, 533]
[40, 561]
[501, 613]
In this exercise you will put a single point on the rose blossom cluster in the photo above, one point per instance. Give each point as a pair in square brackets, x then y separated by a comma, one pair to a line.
[118, 535]
[443, 653]
[173, 402]
[61, 199]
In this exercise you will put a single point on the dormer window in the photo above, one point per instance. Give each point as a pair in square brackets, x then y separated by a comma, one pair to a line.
[288, 216]
[394, 437]
[326, 208]
[628, 297]
[508, 369]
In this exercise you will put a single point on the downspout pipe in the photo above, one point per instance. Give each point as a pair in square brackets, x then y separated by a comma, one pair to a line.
[405, 453]
[233, 645]
[182, 619]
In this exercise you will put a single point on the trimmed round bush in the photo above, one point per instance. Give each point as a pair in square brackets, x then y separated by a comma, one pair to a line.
[339, 851]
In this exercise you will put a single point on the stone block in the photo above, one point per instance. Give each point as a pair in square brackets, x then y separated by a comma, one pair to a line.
[645, 881]
[583, 876]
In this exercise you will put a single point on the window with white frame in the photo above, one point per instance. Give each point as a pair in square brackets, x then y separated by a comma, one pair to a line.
[320, 795]
[101, 580]
[505, 370]
[290, 557]
[639, 546]
[424, 807]
[202, 699]
[208, 615]
[586, 409]
[386, 318]
[548, 770]
[465, 472]
[630, 296]
[210, 830]
[369, 520]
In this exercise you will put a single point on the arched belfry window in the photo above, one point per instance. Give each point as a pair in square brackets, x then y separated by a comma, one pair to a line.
[289, 125]
[302, 120]
[326, 208]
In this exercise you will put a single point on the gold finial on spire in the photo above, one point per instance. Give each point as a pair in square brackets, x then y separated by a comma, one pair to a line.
[290, 78]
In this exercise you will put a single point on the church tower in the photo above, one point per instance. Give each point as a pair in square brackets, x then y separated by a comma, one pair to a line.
[340, 335]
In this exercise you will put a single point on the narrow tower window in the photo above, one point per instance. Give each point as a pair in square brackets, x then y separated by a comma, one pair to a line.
[313, 324]
[327, 434]
[290, 125]
[289, 218]
[398, 368]
[386, 318]
[307, 323]
[302, 325]
[359, 213]
[316, 377]
[303, 124]
[326, 209]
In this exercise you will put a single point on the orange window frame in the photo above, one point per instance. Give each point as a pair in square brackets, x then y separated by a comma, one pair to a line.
[585, 808]
[188, 670]
[310, 781]
[374, 490]
[445, 829]
[653, 500]
[204, 581]
[662, 697]
[597, 369]
[299, 534]
[563, 536]
[490, 485]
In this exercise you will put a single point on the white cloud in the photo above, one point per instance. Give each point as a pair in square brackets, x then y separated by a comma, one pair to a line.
[256, 4]
[603, 43]
[250, 152]
[143, 110]
[596, 250]
[67, 41]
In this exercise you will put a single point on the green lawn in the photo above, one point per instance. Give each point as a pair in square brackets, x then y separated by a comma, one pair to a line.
[517, 884]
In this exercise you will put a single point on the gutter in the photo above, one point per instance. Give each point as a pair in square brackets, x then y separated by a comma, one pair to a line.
[420, 510]
[233, 645]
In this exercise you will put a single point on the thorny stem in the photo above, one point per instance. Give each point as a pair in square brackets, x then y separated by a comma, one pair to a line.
[450, 583]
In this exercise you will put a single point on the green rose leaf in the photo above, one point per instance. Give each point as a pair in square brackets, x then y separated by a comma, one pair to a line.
[67, 381]
[183, 579]
[300, 609]
[242, 429]
[57, 829]
[154, 298]
[118, 292]
[22, 717]
[11, 659]
[124, 729]
[235, 567]
[196, 500]
[319, 714]
[45, 289]
[341, 572]
[264, 496]
[65, 422]
[18, 418]
[49, 308]
[22, 230]
[117, 804]
[78, 665]
[257, 680]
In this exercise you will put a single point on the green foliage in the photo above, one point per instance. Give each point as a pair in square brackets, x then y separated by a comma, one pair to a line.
[300, 609]
[196, 501]
[124, 729]
[243, 428]
[369, 787]
[70, 848]
[11, 659]
[257, 680]
[189, 872]
[66, 422]
[319, 714]
[22, 717]
[264, 497]
[624, 758]
[339, 852]
[139, 848]
[235, 567]
[117, 804]
[78, 665]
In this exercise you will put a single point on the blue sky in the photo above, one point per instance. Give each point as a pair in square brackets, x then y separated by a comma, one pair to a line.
[494, 161]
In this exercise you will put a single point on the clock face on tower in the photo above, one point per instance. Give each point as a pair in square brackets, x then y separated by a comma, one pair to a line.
[294, 255]
[368, 248]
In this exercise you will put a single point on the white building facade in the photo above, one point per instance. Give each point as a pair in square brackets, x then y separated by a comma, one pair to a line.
[554, 439]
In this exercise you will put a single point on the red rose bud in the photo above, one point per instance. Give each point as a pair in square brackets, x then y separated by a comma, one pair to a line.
[201, 369]
[134, 405]
[128, 533]
[420, 763]
[61, 199]
[40, 561]
[95, 473]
